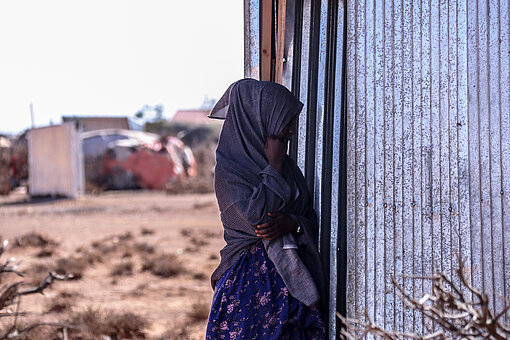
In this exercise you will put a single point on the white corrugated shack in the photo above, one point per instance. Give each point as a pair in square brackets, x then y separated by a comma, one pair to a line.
[55, 161]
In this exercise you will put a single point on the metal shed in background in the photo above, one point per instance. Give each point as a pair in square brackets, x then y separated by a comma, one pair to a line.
[404, 139]
[55, 161]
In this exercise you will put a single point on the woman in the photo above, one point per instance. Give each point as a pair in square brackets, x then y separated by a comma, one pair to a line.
[269, 281]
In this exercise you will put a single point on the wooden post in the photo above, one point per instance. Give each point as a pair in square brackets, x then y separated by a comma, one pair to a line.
[265, 69]
[282, 7]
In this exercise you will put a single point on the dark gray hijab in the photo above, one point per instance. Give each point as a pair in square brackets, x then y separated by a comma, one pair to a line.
[254, 110]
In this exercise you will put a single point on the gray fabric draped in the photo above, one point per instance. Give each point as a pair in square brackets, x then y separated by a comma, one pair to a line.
[247, 187]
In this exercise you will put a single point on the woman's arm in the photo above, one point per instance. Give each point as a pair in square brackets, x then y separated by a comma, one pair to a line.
[280, 224]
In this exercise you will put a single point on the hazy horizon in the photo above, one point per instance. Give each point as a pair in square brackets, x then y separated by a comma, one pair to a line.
[113, 57]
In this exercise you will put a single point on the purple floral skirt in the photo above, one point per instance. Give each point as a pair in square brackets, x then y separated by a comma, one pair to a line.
[251, 302]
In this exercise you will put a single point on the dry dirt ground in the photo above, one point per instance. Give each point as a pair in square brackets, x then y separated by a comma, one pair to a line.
[116, 241]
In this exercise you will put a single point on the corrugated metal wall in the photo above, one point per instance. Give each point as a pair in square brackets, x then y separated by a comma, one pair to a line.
[313, 71]
[408, 150]
[55, 161]
[428, 149]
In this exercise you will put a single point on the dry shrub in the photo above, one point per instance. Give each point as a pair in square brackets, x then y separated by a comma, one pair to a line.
[201, 205]
[200, 276]
[37, 273]
[164, 265]
[13, 324]
[146, 231]
[213, 257]
[90, 256]
[144, 248]
[71, 265]
[122, 269]
[211, 234]
[33, 239]
[35, 331]
[93, 188]
[199, 311]
[186, 232]
[96, 324]
[455, 308]
[113, 243]
[139, 290]
[62, 302]
[197, 185]
[175, 333]
[45, 252]
[198, 242]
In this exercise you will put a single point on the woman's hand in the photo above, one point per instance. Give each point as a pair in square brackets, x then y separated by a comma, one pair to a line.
[275, 151]
[280, 224]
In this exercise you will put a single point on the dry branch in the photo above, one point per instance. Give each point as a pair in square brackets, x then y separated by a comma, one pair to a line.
[13, 293]
[459, 312]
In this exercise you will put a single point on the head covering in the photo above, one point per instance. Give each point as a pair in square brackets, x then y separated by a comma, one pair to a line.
[254, 111]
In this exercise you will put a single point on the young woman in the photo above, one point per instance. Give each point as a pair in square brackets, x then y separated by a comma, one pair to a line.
[269, 281]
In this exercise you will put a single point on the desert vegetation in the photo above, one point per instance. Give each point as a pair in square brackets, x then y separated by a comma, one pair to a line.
[137, 280]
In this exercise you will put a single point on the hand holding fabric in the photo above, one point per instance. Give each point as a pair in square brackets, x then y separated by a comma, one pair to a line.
[280, 224]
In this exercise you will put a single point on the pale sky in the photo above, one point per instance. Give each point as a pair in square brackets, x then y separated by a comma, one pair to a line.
[112, 57]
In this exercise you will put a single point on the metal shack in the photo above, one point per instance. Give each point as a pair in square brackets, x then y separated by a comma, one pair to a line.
[404, 140]
[55, 161]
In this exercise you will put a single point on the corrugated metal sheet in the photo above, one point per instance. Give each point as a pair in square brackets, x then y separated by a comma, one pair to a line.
[427, 150]
[55, 161]
[313, 69]
[405, 141]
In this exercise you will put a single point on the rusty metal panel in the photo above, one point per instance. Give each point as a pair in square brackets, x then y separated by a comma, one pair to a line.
[428, 155]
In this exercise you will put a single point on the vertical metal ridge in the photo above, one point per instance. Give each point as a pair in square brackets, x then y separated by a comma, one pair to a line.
[303, 83]
[452, 136]
[495, 152]
[359, 114]
[296, 71]
[463, 178]
[473, 146]
[251, 39]
[311, 116]
[417, 169]
[369, 145]
[381, 277]
[351, 155]
[484, 129]
[319, 109]
[426, 152]
[388, 199]
[343, 224]
[505, 142]
[407, 151]
[328, 183]
[397, 156]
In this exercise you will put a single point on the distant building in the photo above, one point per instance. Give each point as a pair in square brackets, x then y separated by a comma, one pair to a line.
[193, 117]
[55, 161]
[100, 123]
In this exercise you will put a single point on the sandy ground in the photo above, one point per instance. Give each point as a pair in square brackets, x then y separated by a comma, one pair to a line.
[187, 226]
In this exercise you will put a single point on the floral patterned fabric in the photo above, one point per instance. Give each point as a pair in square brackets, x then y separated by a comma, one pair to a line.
[251, 302]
